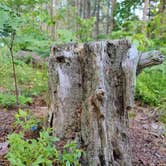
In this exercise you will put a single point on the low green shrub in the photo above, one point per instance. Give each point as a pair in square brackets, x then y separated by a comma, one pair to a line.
[26, 120]
[32, 152]
[119, 34]
[39, 151]
[9, 100]
[151, 85]
[71, 155]
[151, 89]
[85, 28]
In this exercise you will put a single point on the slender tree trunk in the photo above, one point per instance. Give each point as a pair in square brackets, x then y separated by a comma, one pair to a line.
[94, 10]
[108, 17]
[91, 89]
[86, 9]
[52, 14]
[13, 65]
[93, 14]
[145, 15]
[81, 8]
[77, 5]
[97, 18]
[112, 15]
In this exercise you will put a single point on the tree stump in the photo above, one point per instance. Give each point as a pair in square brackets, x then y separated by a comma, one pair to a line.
[91, 88]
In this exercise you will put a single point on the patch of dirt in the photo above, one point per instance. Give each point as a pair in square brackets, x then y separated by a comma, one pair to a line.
[147, 138]
[6, 123]
[39, 101]
[6, 127]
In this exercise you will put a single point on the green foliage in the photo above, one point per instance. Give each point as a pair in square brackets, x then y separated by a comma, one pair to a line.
[124, 10]
[142, 42]
[65, 36]
[10, 23]
[32, 152]
[151, 85]
[85, 28]
[8, 100]
[119, 35]
[39, 151]
[31, 40]
[28, 33]
[26, 120]
[31, 81]
[71, 154]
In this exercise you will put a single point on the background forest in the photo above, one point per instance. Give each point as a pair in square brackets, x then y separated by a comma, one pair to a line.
[27, 30]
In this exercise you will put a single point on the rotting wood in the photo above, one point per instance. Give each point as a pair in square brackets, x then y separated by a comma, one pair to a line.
[91, 88]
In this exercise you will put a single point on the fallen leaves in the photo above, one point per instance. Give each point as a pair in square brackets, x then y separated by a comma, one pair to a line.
[147, 138]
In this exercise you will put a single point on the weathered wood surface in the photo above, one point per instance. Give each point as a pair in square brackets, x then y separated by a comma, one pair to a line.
[148, 59]
[91, 88]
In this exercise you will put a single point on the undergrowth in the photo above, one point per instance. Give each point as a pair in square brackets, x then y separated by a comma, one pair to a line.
[42, 150]
[151, 87]
[31, 81]
[9, 100]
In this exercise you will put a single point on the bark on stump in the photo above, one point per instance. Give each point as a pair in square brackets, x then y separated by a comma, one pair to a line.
[91, 88]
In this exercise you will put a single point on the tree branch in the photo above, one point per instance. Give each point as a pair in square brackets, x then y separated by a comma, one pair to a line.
[148, 59]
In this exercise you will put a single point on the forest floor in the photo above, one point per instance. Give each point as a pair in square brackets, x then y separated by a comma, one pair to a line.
[146, 134]
[147, 137]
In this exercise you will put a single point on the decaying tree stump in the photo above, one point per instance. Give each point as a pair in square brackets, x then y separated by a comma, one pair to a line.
[91, 88]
